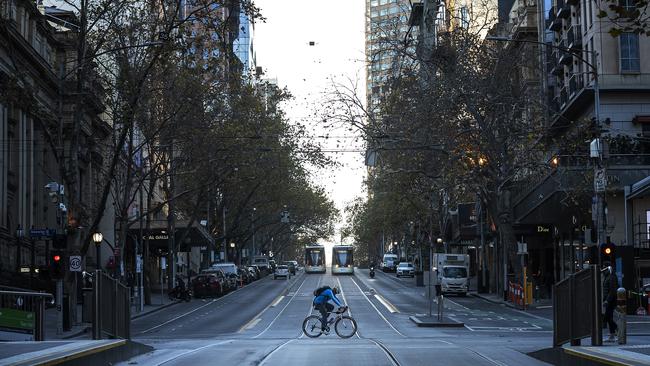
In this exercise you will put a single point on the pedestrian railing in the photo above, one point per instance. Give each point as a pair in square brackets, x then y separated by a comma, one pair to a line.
[22, 315]
[111, 308]
[577, 308]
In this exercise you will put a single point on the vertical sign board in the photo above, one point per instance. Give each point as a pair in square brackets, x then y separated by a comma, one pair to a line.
[75, 263]
[16, 325]
[138, 263]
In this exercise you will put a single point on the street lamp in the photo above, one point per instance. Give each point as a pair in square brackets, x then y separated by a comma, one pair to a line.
[232, 249]
[97, 239]
[20, 234]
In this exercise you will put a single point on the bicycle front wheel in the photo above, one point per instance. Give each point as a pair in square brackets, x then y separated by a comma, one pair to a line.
[311, 326]
[345, 326]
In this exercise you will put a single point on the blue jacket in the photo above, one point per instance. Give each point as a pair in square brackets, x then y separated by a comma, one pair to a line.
[326, 296]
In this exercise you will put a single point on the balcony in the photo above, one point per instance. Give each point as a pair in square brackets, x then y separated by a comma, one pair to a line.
[575, 84]
[563, 97]
[563, 9]
[556, 25]
[566, 58]
[574, 37]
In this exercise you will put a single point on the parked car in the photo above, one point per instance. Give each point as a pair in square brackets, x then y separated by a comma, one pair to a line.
[207, 284]
[233, 280]
[244, 275]
[292, 267]
[253, 273]
[281, 271]
[226, 283]
[405, 269]
[260, 272]
[272, 264]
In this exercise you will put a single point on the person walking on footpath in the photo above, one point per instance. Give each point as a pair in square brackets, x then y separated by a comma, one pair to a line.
[610, 285]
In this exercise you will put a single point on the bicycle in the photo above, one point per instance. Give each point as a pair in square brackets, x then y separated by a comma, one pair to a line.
[344, 325]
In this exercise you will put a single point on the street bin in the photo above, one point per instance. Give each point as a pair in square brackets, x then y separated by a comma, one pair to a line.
[419, 278]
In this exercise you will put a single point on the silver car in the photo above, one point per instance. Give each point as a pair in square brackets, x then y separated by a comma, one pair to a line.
[405, 269]
[281, 271]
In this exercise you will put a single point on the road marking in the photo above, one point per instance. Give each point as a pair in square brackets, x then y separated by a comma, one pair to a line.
[277, 301]
[377, 310]
[390, 307]
[389, 354]
[275, 350]
[281, 311]
[180, 316]
[311, 308]
[346, 303]
[193, 351]
[252, 323]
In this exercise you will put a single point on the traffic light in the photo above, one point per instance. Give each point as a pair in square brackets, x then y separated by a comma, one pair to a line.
[56, 265]
[59, 241]
[607, 251]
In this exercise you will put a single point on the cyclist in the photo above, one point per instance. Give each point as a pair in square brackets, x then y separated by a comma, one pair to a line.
[322, 303]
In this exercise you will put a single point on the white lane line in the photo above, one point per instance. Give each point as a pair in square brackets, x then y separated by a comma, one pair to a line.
[311, 307]
[346, 303]
[193, 351]
[277, 301]
[390, 307]
[180, 316]
[281, 311]
[275, 350]
[244, 327]
[377, 310]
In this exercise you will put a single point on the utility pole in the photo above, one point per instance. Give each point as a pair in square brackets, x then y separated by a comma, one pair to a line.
[223, 214]
[171, 222]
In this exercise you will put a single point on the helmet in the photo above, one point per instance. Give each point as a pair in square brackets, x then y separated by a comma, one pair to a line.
[335, 290]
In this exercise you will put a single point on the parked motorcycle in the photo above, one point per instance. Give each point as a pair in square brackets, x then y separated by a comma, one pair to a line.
[372, 271]
[180, 292]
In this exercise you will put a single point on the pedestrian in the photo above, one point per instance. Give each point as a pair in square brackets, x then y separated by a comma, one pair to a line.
[610, 285]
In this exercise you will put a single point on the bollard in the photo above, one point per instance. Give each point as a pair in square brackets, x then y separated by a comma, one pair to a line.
[620, 315]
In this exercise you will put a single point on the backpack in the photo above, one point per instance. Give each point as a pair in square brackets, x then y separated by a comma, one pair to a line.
[320, 290]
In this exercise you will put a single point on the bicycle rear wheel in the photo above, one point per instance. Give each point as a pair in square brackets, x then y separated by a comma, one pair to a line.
[345, 326]
[311, 326]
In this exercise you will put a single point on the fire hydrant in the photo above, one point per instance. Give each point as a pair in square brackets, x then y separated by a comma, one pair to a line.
[620, 315]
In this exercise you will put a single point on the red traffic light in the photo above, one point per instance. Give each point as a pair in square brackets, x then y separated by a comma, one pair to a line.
[57, 258]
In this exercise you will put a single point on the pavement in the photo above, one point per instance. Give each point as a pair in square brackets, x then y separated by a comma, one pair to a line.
[612, 354]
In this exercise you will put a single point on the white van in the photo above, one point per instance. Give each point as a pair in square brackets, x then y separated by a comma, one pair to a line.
[262, 262]
[225, 267]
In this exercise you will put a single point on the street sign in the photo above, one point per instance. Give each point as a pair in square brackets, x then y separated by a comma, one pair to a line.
[75, 263]
[41, 233]
[600, 180]
[522, 248]
[138, 263]
[163, 262]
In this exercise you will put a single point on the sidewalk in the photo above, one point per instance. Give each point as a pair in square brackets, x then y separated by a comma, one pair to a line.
[82, 330]
[493, 298]
[612, 354]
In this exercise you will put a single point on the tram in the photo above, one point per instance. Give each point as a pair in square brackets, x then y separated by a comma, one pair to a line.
[343, 259]
[315, 259]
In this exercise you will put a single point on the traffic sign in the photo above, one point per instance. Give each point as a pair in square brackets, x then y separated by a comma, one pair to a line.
[41, 233]
[600, 180]
[138, 263]
[75, 263]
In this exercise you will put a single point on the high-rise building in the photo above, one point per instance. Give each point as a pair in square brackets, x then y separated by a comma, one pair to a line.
[243, 43]
[387, 29]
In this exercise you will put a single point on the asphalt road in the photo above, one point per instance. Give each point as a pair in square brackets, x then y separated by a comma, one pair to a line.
[260, 324]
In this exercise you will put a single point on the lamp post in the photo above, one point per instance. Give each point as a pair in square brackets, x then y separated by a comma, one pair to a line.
[97, 239]
[232, 250]
[20, 234]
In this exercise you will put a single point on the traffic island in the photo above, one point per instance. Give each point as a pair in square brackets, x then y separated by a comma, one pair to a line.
[433, 322]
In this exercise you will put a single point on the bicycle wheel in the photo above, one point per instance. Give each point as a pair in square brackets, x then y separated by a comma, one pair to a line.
[345, 326]
[311, 326]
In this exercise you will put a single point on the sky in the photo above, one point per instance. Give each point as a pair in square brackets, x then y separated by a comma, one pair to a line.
[283, 50]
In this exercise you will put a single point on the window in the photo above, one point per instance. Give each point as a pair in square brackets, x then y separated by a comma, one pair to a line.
[374, 2]
[629, 46]
[628, 5]
[464, 17]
